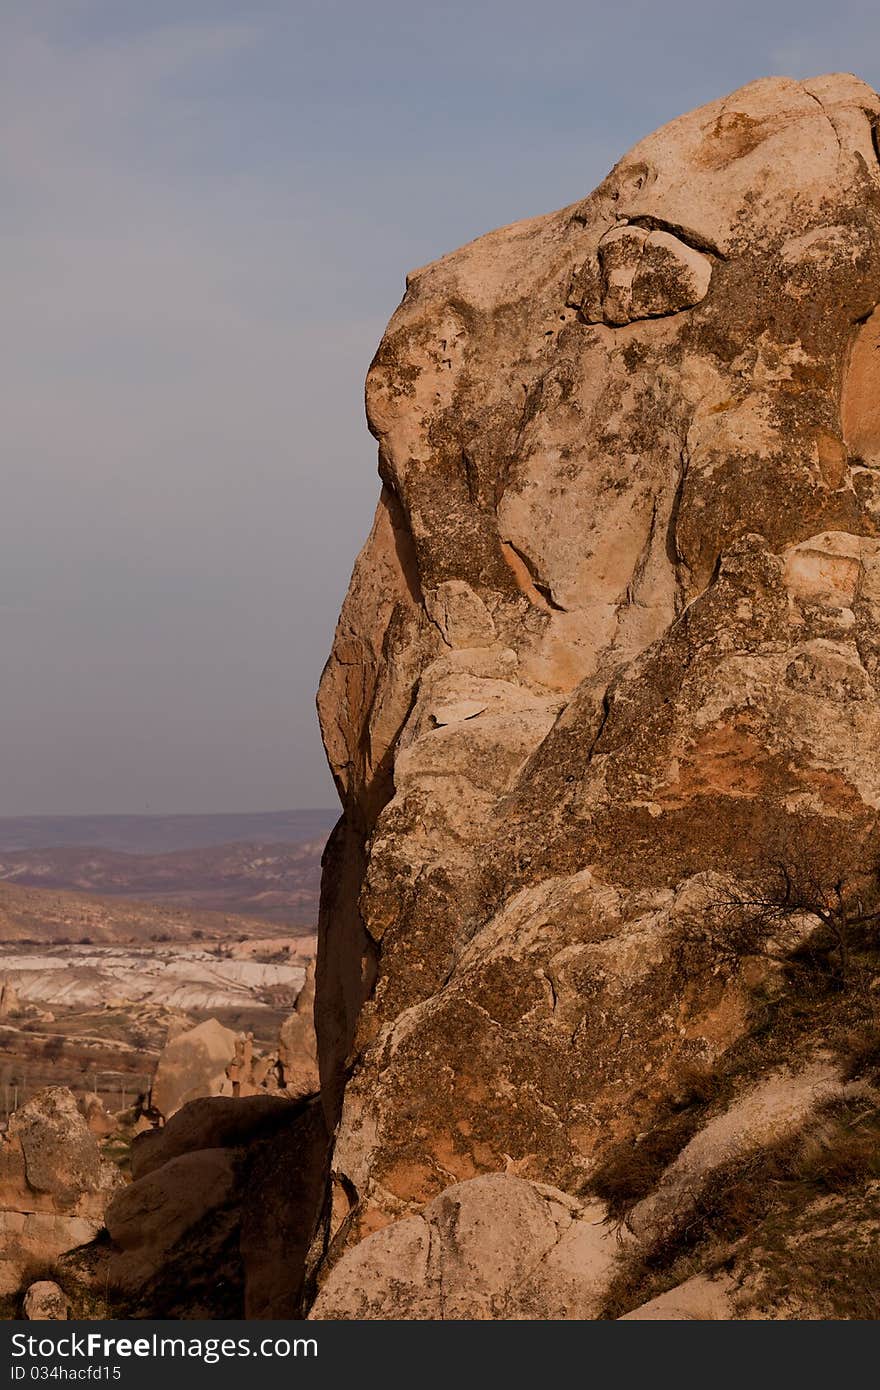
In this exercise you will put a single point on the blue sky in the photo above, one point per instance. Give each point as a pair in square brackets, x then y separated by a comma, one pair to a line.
[206, 214]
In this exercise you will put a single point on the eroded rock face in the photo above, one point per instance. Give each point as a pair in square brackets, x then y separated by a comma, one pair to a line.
[614, 640]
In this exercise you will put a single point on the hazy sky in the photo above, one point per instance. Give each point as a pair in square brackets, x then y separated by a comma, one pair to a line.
[206, 214]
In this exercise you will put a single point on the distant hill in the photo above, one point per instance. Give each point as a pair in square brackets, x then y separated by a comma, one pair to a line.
[164, 834]
[277, 882]
[50, 917]
[265, 865]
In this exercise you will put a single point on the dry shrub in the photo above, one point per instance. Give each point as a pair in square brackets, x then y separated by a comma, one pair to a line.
[861, 1053]
[838, 1151]
[631, 1168]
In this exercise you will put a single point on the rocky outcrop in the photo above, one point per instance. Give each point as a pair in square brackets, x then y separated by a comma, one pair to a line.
[193, 1063]
[603, 705]
[218, 1219]
[54, 1186]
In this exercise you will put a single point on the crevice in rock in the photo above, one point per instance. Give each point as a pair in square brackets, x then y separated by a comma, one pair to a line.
[529, 1272]
[434, 1266]
[471, 477]
[820, 103]
[530, 408]
[606, 710]
[680, 568]
[404, 544]
[859, 413]
[554, 996]
[536, 590]
[641, 564]
[695, 240]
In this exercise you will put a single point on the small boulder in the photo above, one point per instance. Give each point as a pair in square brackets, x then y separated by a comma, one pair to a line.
[45, 1301]
[497, 1246]
[99, 1122]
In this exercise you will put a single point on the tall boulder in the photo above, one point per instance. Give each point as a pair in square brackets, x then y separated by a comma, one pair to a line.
[10, 1004]
[298, 1043]
[611, 651]
[192, 1064]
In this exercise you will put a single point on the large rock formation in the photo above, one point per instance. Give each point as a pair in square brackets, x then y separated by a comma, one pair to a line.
[218, 1219]
[603, 705]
